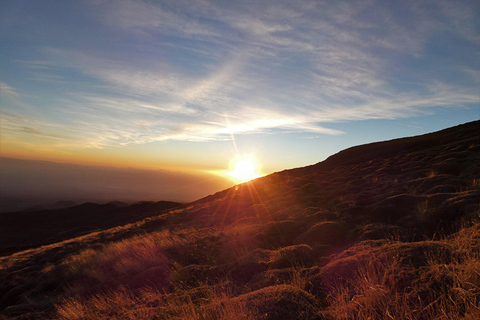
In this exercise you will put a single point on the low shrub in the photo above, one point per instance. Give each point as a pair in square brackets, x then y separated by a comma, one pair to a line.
[283, 302]
[328, 232]
[292, 256]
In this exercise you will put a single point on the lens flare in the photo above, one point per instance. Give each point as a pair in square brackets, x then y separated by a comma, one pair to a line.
[245, 170]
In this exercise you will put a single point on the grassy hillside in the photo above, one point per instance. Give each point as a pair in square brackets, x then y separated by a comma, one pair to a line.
[389, 230]
[30, 229]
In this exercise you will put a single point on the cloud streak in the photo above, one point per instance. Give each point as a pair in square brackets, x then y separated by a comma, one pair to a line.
[205, 70]
[7, 91]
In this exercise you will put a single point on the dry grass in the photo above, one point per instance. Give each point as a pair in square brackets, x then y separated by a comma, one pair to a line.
[385, 288]
[119, 304]
[475, 183]
[137, 271]
[216, 302]
[125, 263]
[424, 211]
[247, 256]
[370, 294]
[239, 241]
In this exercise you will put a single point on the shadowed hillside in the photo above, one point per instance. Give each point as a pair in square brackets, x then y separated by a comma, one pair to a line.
[50, 226]
[388, 230]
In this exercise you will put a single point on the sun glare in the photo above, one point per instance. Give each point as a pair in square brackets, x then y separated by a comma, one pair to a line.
[245, 170]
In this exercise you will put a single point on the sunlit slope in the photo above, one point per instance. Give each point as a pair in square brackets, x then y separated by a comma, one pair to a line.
[385, 230]
[360, 181]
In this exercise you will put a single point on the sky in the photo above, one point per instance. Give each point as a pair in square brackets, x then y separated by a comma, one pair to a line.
[191, 86]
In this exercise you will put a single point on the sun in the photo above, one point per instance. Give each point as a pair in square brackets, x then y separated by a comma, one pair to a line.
[245, 170]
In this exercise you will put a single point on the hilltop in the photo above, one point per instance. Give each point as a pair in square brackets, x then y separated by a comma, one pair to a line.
[384, 230]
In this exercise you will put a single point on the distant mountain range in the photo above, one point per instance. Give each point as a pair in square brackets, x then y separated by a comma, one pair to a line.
[37, 185]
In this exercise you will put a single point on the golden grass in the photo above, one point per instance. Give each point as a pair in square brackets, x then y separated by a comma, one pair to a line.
[138, 262]
[216, 302]
[119, 304]
[252, 261]
[383, 287]
[386, 288]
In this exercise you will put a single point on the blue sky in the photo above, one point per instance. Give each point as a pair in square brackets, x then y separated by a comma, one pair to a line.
[192, 84]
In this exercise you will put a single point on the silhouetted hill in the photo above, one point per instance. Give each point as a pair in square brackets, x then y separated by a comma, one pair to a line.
[29, 229]
[458, 135]
[27, 184]
[375, 183]
[380, 231]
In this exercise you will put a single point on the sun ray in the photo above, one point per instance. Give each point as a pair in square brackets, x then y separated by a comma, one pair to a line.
[245, 170]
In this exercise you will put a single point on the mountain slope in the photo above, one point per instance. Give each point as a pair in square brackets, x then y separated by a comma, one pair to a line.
[364, 183]
[43, 227]
[385, 230]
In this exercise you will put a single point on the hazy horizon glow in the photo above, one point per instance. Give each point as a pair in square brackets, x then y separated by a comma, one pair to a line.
[190, 85]
[244, 170]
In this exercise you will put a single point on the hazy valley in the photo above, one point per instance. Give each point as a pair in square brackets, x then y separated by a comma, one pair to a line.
[36, 184]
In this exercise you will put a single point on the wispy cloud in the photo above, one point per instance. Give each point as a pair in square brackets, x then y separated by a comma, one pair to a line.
[14, 125]
[204, 70]
[7, 91]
